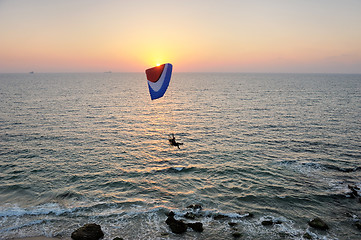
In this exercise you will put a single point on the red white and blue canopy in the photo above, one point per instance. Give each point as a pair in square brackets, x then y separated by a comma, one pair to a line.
[158, 79]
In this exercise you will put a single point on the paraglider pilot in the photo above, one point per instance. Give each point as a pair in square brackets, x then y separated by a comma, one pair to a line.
[173, 142]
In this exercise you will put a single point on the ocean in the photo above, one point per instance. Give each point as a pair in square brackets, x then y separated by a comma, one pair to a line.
[84, 148]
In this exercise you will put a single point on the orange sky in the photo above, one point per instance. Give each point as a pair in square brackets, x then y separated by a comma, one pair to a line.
[221, 36]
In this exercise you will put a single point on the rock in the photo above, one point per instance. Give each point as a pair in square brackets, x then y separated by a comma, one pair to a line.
[90, 231]
[177, 226]
[270, 222]
[318, 224]
[198, 226]
[171, 214]
[219, 216]
[267, 222]
[237, 235]
[358, 225]
[307, 236]
[118, 238]
[278, 222]
[232, 224]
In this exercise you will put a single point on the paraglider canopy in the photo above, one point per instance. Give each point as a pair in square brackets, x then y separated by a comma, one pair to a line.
[158, 79]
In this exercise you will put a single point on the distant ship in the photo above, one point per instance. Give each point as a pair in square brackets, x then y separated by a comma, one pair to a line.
[31, 72]
[108, 72]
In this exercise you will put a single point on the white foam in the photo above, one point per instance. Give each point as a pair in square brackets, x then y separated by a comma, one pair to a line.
[178, 168]
[44, 209]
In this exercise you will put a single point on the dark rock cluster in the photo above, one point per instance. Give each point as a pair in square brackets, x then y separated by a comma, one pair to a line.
[90, 231]
[178, 226]
[197, 226]
[270, 222]
[318, 223]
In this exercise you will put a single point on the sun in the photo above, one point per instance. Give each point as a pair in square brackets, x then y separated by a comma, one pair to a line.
[158, 64]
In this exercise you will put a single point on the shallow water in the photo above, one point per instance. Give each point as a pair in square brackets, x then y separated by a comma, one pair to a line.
[81, 148]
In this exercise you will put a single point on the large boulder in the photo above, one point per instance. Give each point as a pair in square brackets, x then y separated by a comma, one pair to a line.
[177, 226]
[90, 231]
[318, 223]
[197, 226]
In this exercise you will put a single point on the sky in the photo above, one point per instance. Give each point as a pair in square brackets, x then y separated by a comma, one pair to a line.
[303, 36]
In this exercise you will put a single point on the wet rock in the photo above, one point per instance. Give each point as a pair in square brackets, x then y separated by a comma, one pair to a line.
[270, 222]
[267, 222]
[90, 231]
[118, 238]
[232, 224]
[170, 214]
[307, 236]
[318, 223]
[197, 226]
[236, 235]
[177, 226]
[219, 216]
[358, 225]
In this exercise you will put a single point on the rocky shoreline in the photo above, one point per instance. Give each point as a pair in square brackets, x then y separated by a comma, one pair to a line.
[191, 220]
[93, 231]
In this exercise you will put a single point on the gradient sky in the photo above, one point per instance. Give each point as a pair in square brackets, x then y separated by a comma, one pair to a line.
[194, 35]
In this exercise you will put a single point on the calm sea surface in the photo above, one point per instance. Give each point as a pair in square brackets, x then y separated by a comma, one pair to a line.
[93, 148]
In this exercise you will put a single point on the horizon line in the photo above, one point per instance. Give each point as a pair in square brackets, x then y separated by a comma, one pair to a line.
[235, 72]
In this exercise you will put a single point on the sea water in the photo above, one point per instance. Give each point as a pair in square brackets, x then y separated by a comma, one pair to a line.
[93, 148]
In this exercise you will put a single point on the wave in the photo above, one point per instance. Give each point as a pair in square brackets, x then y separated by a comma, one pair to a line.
[67, 195]
[303, 166]
[141, 222]
[44, 209]
[342, 169]
[177, 169]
